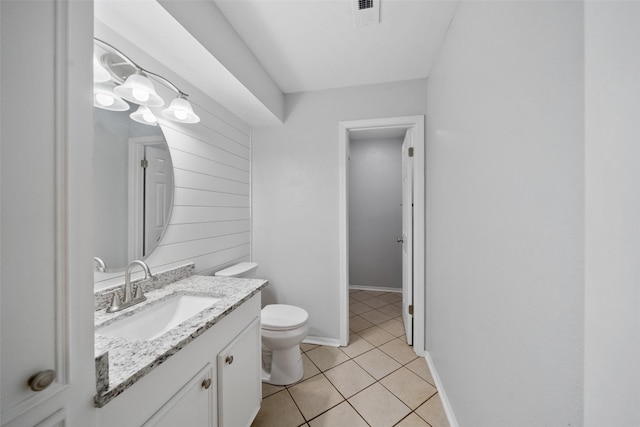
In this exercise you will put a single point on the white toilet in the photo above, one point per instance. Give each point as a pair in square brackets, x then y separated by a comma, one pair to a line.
[283, 327]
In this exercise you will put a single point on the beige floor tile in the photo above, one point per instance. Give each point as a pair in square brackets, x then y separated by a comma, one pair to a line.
[278, 410]
[391, 310]
[412, 421]
[376, 317]
[357, 324]
[393, 326]
[419, 367]
[390, 297]
[376, 336]
[379, 407]
[397, 304]
[309, 369]
[375, 302]
[342, 415]
[269, 389]
[376, 363]
[357, 346]
[370, 294]
[408, 387]
[357, 295]
[306, 347]
[399, 350]
[349, 378]
[325, 357]
[432, 412]
[314, 396]
[359, 308]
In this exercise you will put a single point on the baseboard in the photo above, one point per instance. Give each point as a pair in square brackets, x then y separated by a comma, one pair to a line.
[448, 410]
[375, 288]
[331, 342]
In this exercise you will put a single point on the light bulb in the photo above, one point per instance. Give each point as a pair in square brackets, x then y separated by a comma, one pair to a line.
[180, 114]
[140, 95]
[149, 117]
[105, 100]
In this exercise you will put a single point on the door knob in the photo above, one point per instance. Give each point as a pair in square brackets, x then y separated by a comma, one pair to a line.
[399, 240]
[42, 380]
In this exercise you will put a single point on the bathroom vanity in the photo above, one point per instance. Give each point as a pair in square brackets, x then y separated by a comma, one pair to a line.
[203, 372]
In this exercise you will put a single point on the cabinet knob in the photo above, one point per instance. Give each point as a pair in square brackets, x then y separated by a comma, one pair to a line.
[229, 360]
[42, 380]
[206, 384]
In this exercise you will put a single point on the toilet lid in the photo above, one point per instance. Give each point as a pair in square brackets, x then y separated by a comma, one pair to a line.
[277, 317]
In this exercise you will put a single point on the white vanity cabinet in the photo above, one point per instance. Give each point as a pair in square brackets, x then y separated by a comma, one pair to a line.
[239, 379]
[214, 381]
[193, 405]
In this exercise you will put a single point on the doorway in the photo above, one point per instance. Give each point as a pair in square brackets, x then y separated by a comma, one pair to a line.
[414, 310]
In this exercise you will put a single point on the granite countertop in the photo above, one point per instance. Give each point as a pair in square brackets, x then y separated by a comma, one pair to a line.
[120, 362]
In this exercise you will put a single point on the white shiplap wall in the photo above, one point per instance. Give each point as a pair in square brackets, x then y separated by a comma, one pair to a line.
[210, 223]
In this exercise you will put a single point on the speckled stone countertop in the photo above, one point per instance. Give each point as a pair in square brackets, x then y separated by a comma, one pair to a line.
[129, 360]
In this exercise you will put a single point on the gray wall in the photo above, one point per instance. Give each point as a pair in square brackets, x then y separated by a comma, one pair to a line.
[612, 292]
[375, 213]
[505, 214]
[296, 193]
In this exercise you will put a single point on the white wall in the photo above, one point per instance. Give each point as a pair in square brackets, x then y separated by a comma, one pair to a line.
[505, 214]
[375, 213]
[295, 193]
[210, 221]
[612, 327]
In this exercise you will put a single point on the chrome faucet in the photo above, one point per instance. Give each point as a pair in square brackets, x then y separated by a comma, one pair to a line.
[129, 297]
[101, 266]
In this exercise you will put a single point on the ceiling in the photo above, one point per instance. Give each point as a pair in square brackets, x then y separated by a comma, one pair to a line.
[309, 45]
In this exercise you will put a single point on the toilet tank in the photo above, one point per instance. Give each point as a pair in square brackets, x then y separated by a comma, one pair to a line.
[242, 269]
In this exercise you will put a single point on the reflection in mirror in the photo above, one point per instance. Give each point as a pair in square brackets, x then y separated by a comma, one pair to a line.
[132, 188]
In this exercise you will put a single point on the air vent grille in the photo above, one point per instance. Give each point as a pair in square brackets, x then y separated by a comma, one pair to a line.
[365, 12]
[365, 4]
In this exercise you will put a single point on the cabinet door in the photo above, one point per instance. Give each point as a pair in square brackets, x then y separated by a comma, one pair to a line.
[192, 406]
[239, 378]
[45, 359]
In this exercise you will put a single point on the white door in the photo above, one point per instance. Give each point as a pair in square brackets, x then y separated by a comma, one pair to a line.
[407, 236]
[157, 195]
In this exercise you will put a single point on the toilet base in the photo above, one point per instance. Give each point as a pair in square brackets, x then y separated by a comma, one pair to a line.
[284, 367]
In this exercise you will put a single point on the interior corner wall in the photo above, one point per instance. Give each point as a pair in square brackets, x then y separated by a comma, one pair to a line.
[296, 195]
[612, 295]
[375, 213]
[505, 214]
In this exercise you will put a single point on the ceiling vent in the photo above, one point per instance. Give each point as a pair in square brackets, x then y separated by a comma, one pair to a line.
[366, 12]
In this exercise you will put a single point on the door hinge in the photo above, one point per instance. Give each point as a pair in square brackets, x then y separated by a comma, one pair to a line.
[144, 163]
[411, 310]
[410, 151]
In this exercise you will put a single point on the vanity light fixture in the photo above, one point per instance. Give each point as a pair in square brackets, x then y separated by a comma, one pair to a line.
[138, 89]
[100, 74]
[105, 98]
[145, 116]
[180, 111]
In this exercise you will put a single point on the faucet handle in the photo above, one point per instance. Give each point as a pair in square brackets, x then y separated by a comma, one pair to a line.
[116, 302]
[139, 295]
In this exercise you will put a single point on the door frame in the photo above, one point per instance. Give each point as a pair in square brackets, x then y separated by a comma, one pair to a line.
[135, 192]
[413, 124]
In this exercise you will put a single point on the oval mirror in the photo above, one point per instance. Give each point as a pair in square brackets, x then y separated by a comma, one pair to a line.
[132, 188]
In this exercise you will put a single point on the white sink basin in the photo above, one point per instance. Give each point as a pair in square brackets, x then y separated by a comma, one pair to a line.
[159, 318]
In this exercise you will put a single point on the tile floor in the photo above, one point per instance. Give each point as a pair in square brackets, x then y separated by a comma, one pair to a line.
[376, 381]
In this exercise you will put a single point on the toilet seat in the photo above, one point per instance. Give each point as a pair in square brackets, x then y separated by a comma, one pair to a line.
[282, 317]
